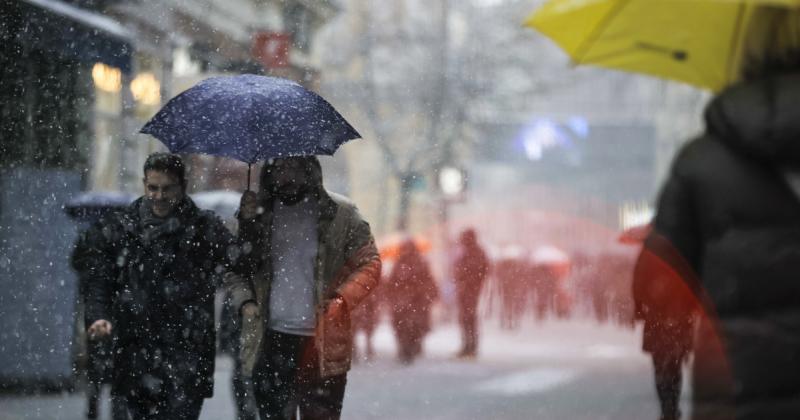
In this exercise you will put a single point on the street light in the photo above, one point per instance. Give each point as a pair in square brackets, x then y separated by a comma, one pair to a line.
[452, 182]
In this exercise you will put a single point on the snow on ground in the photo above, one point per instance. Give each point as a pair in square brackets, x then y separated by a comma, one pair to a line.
[572, 370]
[550, 370]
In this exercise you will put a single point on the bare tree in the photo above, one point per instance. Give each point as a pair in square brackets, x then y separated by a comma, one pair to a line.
[411, 88]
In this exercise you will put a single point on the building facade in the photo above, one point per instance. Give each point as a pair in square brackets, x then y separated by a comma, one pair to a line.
[79, 79]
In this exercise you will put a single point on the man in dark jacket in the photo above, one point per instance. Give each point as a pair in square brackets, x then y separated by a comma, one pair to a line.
[151, 271]
[309, 258]
[730, 207]
[469, 271]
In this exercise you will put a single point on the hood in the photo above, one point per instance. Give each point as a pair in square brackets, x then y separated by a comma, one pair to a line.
[314, 170]
[761, 119]
[312, 167]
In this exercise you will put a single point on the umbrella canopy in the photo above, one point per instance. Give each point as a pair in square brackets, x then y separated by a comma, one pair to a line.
[635, 235]
[90, 206]
[553, 258]
[250, 118]
[701, 42]
[390, 245]
[548, 254]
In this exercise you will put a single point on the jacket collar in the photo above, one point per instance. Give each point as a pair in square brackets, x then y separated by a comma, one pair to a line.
[184, 213]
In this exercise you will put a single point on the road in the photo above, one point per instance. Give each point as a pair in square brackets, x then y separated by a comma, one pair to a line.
[555, 370]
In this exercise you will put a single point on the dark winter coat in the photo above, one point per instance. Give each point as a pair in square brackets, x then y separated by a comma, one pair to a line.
[347, 265]
[729, 212]
[157, 289]
[410, 292]
[663, 299]
[470, 271]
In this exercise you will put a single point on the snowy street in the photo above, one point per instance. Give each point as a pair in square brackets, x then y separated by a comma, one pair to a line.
[555, 370]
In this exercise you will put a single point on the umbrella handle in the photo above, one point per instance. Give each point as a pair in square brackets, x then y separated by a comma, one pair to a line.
[249, 166]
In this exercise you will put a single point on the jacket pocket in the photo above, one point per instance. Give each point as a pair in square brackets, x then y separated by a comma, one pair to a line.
[334, 342]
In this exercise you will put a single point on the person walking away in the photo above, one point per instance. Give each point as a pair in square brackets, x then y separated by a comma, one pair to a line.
[365, 318]
[411, 292]
[730, 208]
[469, 271]
[511, 275]
[309, 260]
[151, 285]
[667, 306]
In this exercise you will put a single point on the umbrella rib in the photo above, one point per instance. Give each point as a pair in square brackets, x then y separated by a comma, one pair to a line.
[736, 40]
[597, 30]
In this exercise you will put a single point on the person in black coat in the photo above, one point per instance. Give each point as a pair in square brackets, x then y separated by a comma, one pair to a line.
[151, 269]
[730, 208]
[469, 272]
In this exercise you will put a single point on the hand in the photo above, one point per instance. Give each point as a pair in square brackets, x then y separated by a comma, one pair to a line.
[248, 206]
[99, 329]
[336, 308]
[249, 310]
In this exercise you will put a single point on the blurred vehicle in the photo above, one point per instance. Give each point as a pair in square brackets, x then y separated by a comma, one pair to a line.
[224, 203]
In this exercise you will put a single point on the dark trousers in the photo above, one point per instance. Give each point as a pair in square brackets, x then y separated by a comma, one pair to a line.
[170, 408]
[468, 318]
[287, 379]
[242, 391]
[100, 366]
[668, 375]
[242, 386]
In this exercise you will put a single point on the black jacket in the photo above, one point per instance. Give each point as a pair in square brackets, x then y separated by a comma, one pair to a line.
[157, 289]
[728, 210]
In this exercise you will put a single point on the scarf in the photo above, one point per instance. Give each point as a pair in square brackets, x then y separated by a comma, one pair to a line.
[154, 227]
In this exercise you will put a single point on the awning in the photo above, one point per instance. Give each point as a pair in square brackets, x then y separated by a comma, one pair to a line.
[75, 33]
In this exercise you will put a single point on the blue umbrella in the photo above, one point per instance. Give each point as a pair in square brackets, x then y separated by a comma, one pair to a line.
[250, 118]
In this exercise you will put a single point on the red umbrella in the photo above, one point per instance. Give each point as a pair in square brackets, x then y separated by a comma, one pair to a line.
[635, 235]
[389, 245]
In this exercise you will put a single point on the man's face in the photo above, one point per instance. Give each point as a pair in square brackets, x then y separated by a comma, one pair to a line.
[162, 192]
[290, 182]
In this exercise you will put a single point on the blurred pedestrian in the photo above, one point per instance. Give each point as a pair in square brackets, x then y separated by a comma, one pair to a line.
[666, 305]
[410, 294]
[512, 279]
[731, 209]
[469, 272]
[365, 318]
[311, 259]
[151, 269]
[544, 283]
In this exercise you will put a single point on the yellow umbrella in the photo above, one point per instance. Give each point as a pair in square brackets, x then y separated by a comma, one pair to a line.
[701, 42]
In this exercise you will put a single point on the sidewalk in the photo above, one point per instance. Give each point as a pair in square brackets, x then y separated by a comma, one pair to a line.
[554, 370]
